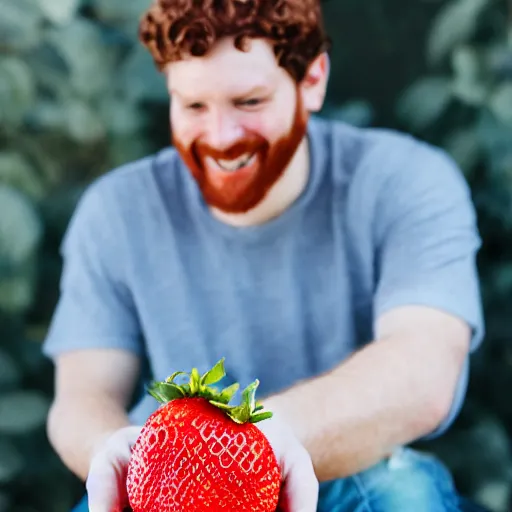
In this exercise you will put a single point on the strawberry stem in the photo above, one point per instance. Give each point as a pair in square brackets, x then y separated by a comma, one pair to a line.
[249, 410]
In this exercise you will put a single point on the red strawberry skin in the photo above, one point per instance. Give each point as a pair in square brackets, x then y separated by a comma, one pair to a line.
[190, 456]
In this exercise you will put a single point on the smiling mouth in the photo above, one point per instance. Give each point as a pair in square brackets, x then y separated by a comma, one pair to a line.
[230, 166]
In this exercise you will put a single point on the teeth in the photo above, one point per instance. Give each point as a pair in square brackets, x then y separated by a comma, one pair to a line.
[233, 165]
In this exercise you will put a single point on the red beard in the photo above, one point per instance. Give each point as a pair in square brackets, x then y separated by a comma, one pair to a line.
[240, 191]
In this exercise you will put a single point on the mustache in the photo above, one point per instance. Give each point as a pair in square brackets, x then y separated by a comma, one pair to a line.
[249, 144]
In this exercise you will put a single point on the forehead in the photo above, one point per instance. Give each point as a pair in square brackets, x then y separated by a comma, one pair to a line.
[225, 70]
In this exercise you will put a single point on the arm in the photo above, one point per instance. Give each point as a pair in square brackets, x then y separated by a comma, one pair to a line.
[93, 390]
[406, 383]
[354, 416]
[94, 337]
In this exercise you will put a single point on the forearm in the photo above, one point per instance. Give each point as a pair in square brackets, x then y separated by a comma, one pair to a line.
[388, 394]
[76, 428]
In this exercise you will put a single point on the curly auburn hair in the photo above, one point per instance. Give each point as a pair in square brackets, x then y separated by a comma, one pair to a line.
[174, 29]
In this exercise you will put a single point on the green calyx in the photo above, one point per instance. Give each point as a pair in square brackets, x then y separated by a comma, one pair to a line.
[200, 386]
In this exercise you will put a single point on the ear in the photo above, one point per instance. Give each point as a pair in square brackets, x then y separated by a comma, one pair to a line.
[314, 85]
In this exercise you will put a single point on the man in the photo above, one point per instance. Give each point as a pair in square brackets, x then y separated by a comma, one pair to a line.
[335, 264]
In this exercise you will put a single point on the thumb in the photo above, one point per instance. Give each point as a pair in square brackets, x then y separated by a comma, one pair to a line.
[300, 487]
[106, 481]
[106, 485]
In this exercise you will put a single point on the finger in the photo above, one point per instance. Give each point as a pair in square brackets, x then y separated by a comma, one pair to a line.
[106, 488]
[106, 481]
[300, 489]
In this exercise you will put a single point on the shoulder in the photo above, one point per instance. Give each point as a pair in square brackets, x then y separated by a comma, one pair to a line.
[135, 179]
[124, 197]
[374, 161]
[133, 186]
[380, 152]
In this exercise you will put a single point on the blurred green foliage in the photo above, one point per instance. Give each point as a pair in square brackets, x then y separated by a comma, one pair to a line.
[79, 96]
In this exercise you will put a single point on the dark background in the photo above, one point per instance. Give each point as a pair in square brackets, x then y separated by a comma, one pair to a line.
[79, 96]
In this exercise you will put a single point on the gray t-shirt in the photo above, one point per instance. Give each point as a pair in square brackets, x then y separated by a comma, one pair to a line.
[385, 221]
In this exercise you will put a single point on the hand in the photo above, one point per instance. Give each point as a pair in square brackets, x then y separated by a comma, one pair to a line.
[299, 491]
[106, 481]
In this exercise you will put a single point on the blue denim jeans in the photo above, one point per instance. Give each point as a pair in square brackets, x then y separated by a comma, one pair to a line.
[409, 481]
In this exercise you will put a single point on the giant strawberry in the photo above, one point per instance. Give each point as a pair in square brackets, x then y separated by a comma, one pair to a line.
[197, 453]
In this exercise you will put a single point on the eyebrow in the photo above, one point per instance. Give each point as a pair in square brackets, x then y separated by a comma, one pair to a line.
[257, 90]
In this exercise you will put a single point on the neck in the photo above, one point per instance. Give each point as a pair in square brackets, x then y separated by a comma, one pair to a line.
[280, 197]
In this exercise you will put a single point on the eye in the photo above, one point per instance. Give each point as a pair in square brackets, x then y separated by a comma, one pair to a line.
[195, 106]
[250, 102]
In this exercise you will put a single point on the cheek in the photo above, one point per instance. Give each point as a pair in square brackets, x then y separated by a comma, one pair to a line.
[269, 125]
[183, 129]
[277, 120]
[255, 124]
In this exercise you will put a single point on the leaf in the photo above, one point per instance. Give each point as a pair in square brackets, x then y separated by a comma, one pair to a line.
[468, 85]
[17, 293]
[259, 407]
[171, 391]
[47, 116]
[59, 11]
[17, 171]
[465, 148]
[173, 376]
[11, 464]
[21, 231]
[454, 24]
[498, 57]
[17, 90]
[90, 60]
[424, 101]
[194, 381]
[10, 372]
[156, 395]
[21, 24]
[221, 405]
[139, 80]
[502, 280]
[470, 92]
[215, 374]
[228, 393]
[260, 416]
[241, 413]
[495, 136]
[23, 412]
[51, 72]
[466, 62]
[112, 11]
[500, 103]
[122, 118]
[166, 391]
[249, 394]
[83, 123]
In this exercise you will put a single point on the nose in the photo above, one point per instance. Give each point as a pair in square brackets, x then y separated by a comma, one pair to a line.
[223, 130]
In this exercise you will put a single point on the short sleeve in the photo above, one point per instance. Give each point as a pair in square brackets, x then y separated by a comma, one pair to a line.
[427, 244]
[95, 307]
